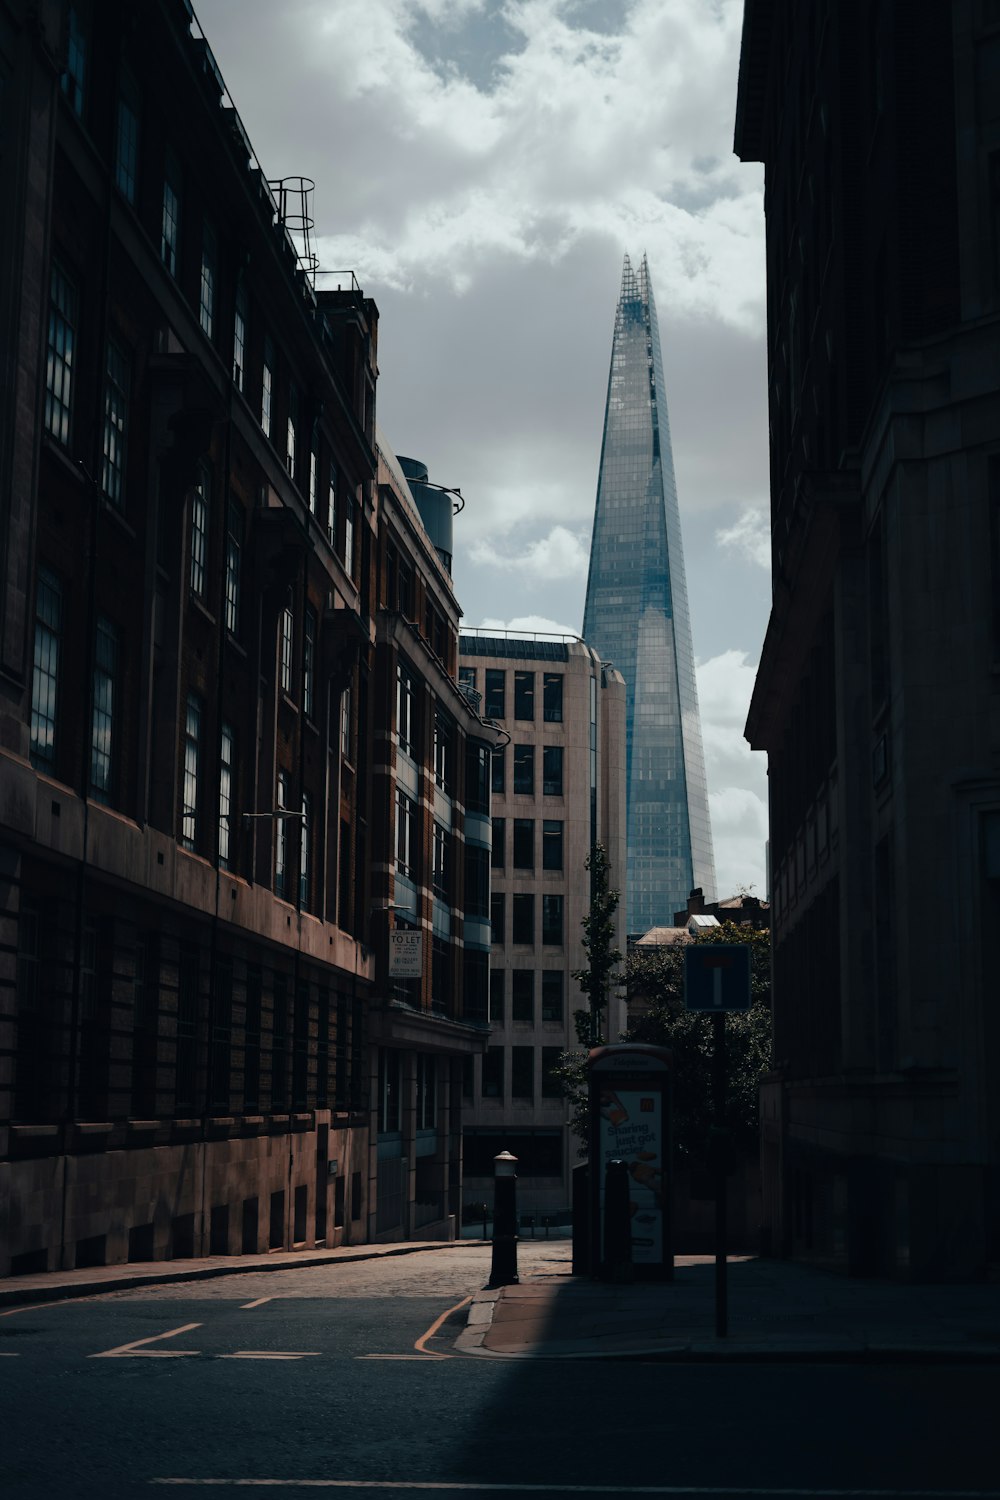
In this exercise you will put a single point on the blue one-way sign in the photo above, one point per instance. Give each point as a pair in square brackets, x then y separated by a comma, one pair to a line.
[717, 976]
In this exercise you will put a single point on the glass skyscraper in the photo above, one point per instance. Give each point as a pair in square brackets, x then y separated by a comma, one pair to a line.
[636, 616]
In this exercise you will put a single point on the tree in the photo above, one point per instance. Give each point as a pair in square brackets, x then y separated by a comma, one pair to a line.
[601, 975]
[656, 980]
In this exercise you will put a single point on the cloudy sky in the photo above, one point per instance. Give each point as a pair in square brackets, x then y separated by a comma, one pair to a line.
[482, 166]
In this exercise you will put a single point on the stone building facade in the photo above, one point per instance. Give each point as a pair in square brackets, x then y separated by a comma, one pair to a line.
[558, 789]
[877, 698]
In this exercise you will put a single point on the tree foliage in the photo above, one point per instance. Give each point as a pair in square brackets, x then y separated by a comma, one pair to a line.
[655, 978]
[601, 976]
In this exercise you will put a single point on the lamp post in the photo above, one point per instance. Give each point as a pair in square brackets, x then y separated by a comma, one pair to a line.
[503, 1271]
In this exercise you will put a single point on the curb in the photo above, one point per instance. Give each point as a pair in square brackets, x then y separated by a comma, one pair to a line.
[473, 1341]
[57, 1292]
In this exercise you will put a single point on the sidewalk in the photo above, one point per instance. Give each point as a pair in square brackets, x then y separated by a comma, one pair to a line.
[777, 1311]
[52, 1286]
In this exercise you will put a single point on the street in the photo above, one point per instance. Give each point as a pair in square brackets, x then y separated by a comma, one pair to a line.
[344, 1378]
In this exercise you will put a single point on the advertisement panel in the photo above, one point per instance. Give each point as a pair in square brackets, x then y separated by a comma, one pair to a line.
[406, 951]
[632, 1132]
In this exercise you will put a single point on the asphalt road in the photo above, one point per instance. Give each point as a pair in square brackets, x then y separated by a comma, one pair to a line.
[339, 1380]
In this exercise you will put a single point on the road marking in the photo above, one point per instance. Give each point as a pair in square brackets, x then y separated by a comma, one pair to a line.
[589, 1489]
[10, 1354]
[136, 1351]
[259, 1303]
[272, 1354]
[432, 1330]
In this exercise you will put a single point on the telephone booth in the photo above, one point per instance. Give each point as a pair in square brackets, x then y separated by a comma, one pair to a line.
[630, 1110]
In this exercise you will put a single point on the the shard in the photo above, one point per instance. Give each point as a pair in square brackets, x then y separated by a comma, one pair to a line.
[637, 616]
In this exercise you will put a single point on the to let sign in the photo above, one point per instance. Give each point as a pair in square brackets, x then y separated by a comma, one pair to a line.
[717, 976]
[406, 951]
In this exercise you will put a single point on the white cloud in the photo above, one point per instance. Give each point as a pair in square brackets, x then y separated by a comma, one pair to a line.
[527, 625]
[739, 832]
[750, 535]
[561, 554]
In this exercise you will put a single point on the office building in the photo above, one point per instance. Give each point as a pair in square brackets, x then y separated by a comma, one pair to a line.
[876, 698]
[637, 617]
[558, 787]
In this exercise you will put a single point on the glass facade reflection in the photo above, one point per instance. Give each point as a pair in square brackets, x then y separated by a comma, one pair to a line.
[636, 616]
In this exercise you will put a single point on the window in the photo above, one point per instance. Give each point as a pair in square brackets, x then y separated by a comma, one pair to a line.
[282, 800]
[442, 862]
[313, 478]
[45, 669]
[552, 770]
[523, 915]
[170, 220]
[552, 920]
[477, 882]
[522, 1006]
[493, 704]
[496, 996]
[477, 777]
[206, 293]
[552, 995]
[552, 844]
[442, 983]
[309, 662]
[305, 863]
[524, 843]
[103, 712]
[331, 516]
[522, 1072]
[74, 78]
[199, 533]
[551, 1088]
[226, 759]
[405, 726]
[293, 422]
[406, 813]
[267, 386]
[115, 412]
[59, 355]
[192, 749]
[345, 723]
[240, 334]
[497, 851]
[286, 641]
[493, 1073]
[349, 510]
[497, 919]
[126, 149]
[524, 695]
[467, 677]
[498, 779]
[552, 697]
[234, 548]
[444, 738]
[524, 770]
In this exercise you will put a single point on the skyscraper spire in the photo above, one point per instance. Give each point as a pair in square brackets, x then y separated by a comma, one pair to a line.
[636, 615]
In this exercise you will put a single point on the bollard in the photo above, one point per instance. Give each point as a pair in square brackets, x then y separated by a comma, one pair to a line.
[617, 1223]
[503, 1271]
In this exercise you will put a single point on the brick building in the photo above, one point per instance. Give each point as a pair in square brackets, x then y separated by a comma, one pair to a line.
[192, 678]
[877, 693]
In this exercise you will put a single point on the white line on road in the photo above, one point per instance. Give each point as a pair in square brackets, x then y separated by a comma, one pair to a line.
[272, 1354]
[10, 1354]
[798, 1493]
[259, 1303]
[136, 1351]
[416, 1358]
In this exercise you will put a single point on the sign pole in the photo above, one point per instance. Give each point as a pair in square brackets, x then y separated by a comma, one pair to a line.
[719, 1147]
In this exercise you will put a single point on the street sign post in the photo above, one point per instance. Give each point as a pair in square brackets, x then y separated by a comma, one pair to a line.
[717, 980]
